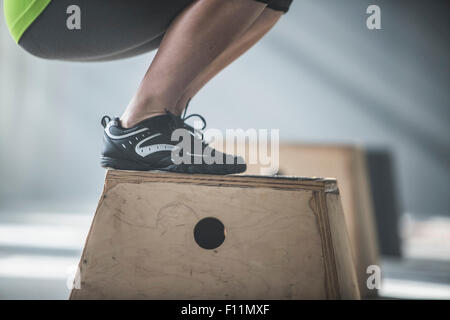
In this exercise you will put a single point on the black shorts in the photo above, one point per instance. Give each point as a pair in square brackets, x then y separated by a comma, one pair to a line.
[112, 29]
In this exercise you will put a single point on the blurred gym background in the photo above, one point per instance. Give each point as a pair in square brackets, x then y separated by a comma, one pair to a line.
[320, 76]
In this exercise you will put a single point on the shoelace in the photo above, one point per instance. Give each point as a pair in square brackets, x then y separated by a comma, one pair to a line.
[177, 121]
[180, 121]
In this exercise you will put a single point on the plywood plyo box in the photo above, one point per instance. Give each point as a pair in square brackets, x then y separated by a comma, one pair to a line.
[347, 164]
[283, 238]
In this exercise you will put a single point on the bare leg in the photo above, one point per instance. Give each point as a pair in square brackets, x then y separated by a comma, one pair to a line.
[191, 44]
[256, 31]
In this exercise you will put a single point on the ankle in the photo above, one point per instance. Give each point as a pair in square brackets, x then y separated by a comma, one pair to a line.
[141, 109]
[182, 104]
[130, 120]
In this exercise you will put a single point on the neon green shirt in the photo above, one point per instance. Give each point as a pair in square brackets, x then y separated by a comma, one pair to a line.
[20, 14]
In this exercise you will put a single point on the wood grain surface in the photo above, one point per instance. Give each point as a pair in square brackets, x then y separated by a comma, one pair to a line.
[285, 239]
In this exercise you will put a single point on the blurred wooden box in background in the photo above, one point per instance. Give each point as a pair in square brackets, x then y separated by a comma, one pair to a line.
[347, 164]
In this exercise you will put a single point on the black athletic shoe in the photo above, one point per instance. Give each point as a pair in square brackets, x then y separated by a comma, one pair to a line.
[148, 146]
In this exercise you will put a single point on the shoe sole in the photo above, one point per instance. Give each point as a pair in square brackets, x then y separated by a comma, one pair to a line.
[219, 169]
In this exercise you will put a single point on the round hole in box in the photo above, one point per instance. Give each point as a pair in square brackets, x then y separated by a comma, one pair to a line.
[209, 233]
